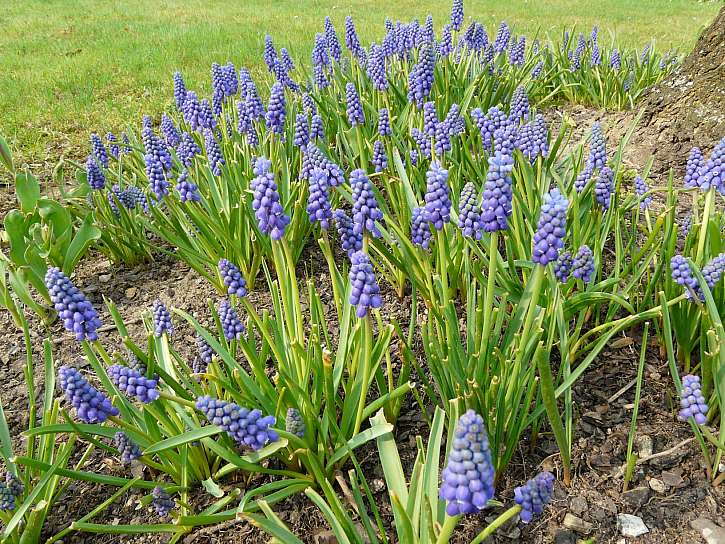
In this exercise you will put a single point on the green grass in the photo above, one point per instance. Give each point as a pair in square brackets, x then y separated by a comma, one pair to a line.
[69, 67]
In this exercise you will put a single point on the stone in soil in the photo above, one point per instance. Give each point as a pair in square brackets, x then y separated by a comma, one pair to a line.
[631, 526]
[577, 524]
[712, 533]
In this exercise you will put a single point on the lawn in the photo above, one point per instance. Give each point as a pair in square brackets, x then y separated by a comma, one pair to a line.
[70, 67]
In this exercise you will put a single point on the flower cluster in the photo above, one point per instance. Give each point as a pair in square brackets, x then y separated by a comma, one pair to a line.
[232, 326]
[365, 293]
[437, 197]
[549, 237]
[319, 208]
[349, 239]
[268, 210]
[468, 477]
[232, 278]
[469, 213]
[162, 501]
[496, 204]
[365, 210]
[562, 266]
[247, 427]
[294, 424]
[582, 267]
[641, 189]
[162, 320]
[126, 447]
[534, 495]
[355, 115]
[90, 404]
[77, 313]
[133, 383]
[692, 401]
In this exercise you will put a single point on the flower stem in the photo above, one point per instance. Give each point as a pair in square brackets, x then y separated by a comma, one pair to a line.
[497, 523]
[447, 529]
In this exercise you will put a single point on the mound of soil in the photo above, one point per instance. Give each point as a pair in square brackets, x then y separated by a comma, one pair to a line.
[688, 108]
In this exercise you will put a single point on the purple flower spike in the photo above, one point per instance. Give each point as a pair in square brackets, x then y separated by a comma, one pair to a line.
[615, 61]
[695, 161]
[519, 105]
[94, 174]
[213, 153]
[380, 158]
[333, 43]
[302, 131]
[349, 241]
[276, 111]
[317, 129]
[133, 383]
[423, 141]
[162, 320]
[352, 41]
[457, 15]
[113, 147]
[420, 233]
[534, 495]
[188, 191]
[365, 293]
[640, 187]
[468, 477]
[7, 499]
[268, 209]
[714, 270]
[270, 53]
[247, 427]
[384, 122]
[549, 237]
[171, 134]
[231, 324]
[232, 278]
[205, 352]
[294, 424]
[582, 267]
[355, 114]
[502, 38]
[604, 187]
[157, 176]
[365, 206]
[187, 149]
[319, 209]
[711, 175]
[179, 90]
[445, 47]
[319, 52]
[497, 194]
[77, 313]
[14, 484]
[128, 449]
[692, 401]
[562, 266]
[430, 118]
[376, 68]
[420, 78]
[437, 197]
[488, 124]
[469, 213]
[683, 275]
[98, 150]
[162, 501]
[90, 404]
[597, 148]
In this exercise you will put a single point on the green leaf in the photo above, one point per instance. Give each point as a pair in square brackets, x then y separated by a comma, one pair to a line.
[27, 190]
[85, 236]
[358, 440]
[6, 155]
[212, 488]
[176, 441]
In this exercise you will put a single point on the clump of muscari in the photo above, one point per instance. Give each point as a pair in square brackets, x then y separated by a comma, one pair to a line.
[534, 495]
[94, 174]
[604, 187]
[682, 274]
[519, 105]
[162, 320]
[420, 233]
[551, 228]
[468, 477]
[319, 208]
[562, 266]
[365, 292]
[247, 427]
[232, 326]
[162, 501]
[232, 278]
[469, 213]
[133, 383]
[294, 424]
[420, 79]
[496, 204]
[128, 449]
[268, 210]
[582, 267]
[365, 208]
[98, 150]
[213, 153]
[380, 159]
[437, 197]
[90, 404]
[170, 131]
[692, 401]
[76, 311]
[349, 240]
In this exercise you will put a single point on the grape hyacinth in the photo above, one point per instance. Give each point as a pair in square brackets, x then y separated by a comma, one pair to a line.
[321, 79]
[319, 209]
[365, 293]
[437, 197]
[157, 176]
[457, 15]
[98, 150]
[536, 72]
[133, 384]
[420, 233]
[502, 38]
[684, 224]
[469, 213]
[615, 60]
[380, 159]
[270, 53]
[333, 44]
[170, 132]
[349, 240]
[376, 68]
[14, 484]
[205, 354]
[276, 111]
[445, 47]
[582, 267]
[312, 158]
[162, 320]
[384, 122]
[213, 153]
[420, 79]
[187, 149]
[682, 274]
[597, 148]
[162, 501]
[179, 90]
[232, 278]
[497, 194]
[76, 311]
[714, 270]
[711, 175]
[534, 495]
[7, 499]
[413, 157]
[487, 124]
[519, 105]
[319, 52]
[231, 324]
[317, 129]
[695, 161]
[351, 40]
[248, 428]
[562, 266]
[692, 401]
[604, 187]
[94, 174]
[113, 147]
[128, 449]
[365, 210]
[302, 131]
[188, 191]
[191, 109]
[430, 118]
[294, 424]
[640, 187]
[422, 140]
[467, 484]
[551, 228]
[90, 404]
[355, 115]
[268, 210]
